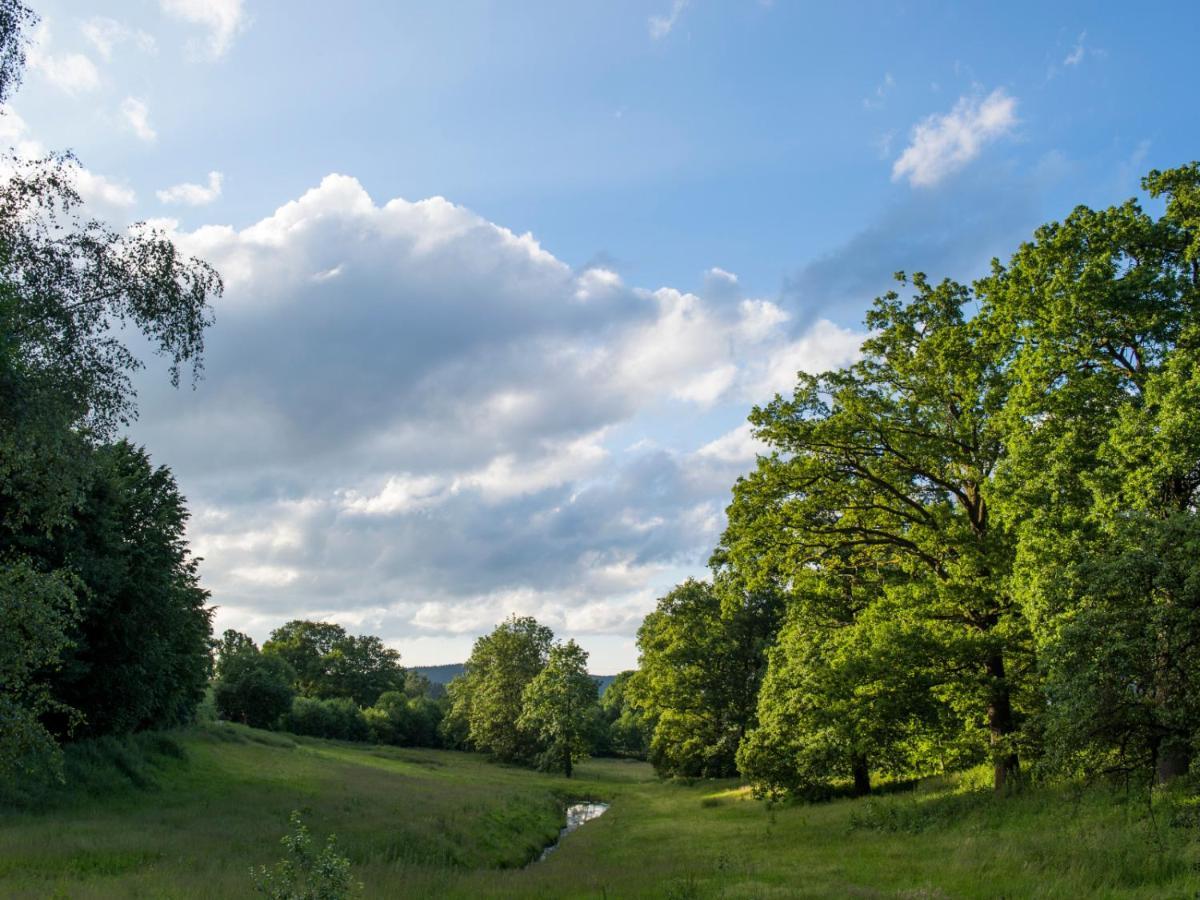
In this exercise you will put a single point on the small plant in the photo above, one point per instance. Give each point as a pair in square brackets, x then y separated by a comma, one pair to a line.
[304, 873]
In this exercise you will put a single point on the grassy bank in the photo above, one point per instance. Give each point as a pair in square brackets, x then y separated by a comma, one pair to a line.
[188, 816]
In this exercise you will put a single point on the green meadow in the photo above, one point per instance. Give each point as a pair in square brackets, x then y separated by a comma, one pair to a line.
[189, 813]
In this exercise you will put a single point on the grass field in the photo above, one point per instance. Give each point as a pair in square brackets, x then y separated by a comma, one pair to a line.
[151, 821]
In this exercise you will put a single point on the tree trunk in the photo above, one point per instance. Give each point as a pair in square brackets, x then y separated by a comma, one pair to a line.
[1000, 722]
[567, 763]
[862, 776]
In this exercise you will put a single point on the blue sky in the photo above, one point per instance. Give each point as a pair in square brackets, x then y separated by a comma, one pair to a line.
[527, 396]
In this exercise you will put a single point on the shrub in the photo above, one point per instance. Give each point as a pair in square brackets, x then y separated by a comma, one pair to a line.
[339, 719]
[304, 873]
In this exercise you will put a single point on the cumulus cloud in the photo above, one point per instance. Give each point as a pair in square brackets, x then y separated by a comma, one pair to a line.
[190, 194]
[99, 191]
[223, 19]
[72, 73]
[137, 117]
[417, 419]
[660, 26]
[943, 144]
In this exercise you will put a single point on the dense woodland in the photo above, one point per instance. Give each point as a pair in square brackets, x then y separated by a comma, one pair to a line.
[978, 543]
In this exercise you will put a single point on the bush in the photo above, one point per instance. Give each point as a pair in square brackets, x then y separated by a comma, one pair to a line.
[304, 873]
[338, 719]
[404, 721]
[256, 691]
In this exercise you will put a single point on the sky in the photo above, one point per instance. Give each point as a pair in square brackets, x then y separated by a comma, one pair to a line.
[503, 280]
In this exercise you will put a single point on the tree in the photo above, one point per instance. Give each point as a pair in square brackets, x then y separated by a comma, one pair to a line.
[1098, 315]
[362, 669]
[702, 658]
[391, 719]
[622, 718]
[330, 663]
[139, 655]
[889, 464]
[36, 612]
[487, 700]
[70, 291]
[306, 647]
[850, 690]
[15, 19]
[251, 687]
[557, 706]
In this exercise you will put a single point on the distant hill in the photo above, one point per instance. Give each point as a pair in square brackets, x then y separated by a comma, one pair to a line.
[446, 673]
[440, 674]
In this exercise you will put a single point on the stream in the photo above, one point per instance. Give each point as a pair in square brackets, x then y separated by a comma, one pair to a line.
[577, 814]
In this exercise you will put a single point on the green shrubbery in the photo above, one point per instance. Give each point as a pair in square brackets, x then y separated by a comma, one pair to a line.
[339, 719]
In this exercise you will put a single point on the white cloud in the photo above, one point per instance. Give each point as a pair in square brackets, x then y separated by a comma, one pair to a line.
[98, 191]
[1075, 57]
[597, 282]
[106, 34]
[137, 116]
[102, 195]
[401, 494]
[224, 19]
[268, 576]
[942, 145]
[737, 446]
[72, 73]
[191, 194]
[660, 26]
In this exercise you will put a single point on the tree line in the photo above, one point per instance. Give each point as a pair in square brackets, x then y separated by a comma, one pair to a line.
[978, 543]
[523, 697]
[105, 626]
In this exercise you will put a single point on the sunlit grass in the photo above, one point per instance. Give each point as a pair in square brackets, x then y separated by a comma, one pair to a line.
[426, 823]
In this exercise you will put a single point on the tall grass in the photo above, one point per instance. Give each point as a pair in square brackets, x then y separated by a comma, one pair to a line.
[188, 814]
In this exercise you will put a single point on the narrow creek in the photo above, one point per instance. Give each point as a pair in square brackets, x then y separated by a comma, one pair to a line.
[577, 814]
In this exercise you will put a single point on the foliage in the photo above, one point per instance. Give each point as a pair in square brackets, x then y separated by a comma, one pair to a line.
[330, 663]
[486, 702]
[251, 687]
[306, 873]
[15, 19]
[843, 700]
[139, 655]
[884, 471]
[703, 654]
[1099, 318]
[338, 718]
[72, 291]
[37, 610]
[625, 732]
[405, 721]
[557, 706]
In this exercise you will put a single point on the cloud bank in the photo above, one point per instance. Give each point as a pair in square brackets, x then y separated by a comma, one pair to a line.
[418, 421]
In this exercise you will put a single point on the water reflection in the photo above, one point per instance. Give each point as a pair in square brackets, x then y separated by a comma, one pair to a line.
[577, 814]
